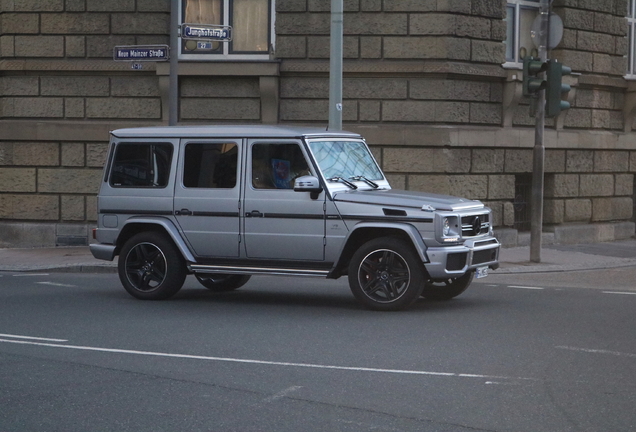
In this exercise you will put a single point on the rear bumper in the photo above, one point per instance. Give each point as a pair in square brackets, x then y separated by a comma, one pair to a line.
[103, 251]
[455, 261]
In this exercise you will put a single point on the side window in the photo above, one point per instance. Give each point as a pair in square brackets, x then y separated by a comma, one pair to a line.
[141, 165]
[520, 15]
[275, 166]
[210, 166]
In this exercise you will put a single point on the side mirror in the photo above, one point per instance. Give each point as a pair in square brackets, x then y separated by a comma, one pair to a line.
[308, 184]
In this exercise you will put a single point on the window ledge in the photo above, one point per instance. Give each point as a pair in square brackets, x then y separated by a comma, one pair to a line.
[223, 68]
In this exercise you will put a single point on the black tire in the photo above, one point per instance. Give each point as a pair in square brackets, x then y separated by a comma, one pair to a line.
[151, 267]
[386, 274]
[222, 282]
[448, 288]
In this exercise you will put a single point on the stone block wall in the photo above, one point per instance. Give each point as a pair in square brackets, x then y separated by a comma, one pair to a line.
[596, 186]
[423, 82]
[394, 54]
[52, 184]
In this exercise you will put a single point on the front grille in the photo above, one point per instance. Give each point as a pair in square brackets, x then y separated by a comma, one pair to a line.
[484, 256]
[456, 261]
[475, 225]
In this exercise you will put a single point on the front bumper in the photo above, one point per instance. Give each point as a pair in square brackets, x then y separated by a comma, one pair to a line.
[455, 261]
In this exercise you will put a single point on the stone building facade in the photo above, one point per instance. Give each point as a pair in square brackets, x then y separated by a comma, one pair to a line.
[427, 82]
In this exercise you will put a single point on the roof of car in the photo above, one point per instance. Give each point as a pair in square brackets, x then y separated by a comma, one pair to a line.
[243, 131]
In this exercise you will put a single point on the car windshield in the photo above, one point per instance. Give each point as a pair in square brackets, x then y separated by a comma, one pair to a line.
[345, 159]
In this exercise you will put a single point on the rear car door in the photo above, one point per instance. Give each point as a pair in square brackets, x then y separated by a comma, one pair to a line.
[206, 198]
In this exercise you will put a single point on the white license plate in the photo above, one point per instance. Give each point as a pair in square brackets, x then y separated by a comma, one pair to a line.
[481, 272]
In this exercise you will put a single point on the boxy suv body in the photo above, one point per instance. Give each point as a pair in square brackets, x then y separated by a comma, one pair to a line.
[227, 202]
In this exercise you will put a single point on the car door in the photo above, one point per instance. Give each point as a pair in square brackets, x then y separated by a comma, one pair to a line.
[278, 222]
[206, 199]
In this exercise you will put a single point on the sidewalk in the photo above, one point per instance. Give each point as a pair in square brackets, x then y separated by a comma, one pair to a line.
[554, 258]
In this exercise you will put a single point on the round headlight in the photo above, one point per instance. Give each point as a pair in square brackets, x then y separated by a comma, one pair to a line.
[445, 227]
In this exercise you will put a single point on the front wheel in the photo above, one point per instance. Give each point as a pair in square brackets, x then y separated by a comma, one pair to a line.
[222, 282]
[386, 274]
[447, 289]
[151, 267]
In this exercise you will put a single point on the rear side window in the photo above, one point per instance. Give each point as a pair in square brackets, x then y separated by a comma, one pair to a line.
[211, 166]
[141, 165]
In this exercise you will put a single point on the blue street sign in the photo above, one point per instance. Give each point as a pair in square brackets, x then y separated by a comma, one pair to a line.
[137, 53]
[206, 32]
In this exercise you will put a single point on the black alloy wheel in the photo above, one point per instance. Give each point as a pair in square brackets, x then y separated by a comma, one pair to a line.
[446, 289]
[222, 282]
[386, 274]
[151, 267]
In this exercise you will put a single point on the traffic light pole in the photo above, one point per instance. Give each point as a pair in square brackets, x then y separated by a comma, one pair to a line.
[538, 154]
[173, 92]
[335, 66]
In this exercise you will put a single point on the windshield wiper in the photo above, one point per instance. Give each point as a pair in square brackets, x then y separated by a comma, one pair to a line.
[343, 180]
[374, 185]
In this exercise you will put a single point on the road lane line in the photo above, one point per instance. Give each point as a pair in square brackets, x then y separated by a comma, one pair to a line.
[597, 351]
[32, 337]
[56, 284]
[525, 287]
[30, 274]
[265, 362]
[619, 292]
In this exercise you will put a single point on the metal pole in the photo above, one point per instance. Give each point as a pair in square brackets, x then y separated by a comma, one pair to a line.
[538, 154]
[173, 93]
[335, 66]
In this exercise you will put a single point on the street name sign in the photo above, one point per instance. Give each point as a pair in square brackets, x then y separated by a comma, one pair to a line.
[138, 53]
[206, 32]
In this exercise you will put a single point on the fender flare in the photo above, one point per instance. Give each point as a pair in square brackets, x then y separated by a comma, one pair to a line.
[412, 232]
[169, 227]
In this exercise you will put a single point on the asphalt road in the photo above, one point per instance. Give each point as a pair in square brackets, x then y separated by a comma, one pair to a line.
[77, 353]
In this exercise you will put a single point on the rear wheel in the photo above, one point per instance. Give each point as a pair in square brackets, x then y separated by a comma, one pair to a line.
[447, 289]
[222, 282]
[151, 267]
[386, 274]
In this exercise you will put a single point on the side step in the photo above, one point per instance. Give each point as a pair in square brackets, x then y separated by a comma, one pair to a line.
[204, 268]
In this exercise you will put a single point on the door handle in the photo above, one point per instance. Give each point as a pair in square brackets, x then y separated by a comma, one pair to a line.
[254, 213]
[183, 212]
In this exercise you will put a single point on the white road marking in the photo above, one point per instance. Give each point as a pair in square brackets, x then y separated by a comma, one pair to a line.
[265, 362]
[597, 351]
[34, 338]
[619, 292]
[30, 274]
[525, 287]
[282, 394]
[56, 284]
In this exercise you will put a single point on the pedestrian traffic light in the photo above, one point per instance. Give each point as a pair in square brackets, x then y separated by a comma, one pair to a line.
[555, 88]
[531, 69]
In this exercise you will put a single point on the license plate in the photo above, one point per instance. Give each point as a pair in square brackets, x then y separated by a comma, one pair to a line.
[481, 272]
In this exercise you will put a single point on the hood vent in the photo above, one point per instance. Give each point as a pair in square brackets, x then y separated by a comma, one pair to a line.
[393, 212]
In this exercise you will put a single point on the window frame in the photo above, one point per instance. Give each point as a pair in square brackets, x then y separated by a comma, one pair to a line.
[517, 63]
[631, 46]
[227, 54]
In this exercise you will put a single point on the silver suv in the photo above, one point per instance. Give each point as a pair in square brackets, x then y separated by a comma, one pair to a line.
[227, 202]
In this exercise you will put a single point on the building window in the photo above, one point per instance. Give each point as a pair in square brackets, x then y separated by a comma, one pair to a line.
[631, 21]
[252, 29]
[519, 17]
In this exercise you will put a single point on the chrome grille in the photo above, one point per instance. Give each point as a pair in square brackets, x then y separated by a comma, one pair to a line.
[475, 225]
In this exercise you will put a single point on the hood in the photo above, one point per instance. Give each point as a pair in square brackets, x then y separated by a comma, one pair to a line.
[410, 199]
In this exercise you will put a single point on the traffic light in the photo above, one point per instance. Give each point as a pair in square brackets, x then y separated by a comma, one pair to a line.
[531, 69]
[555, 88]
